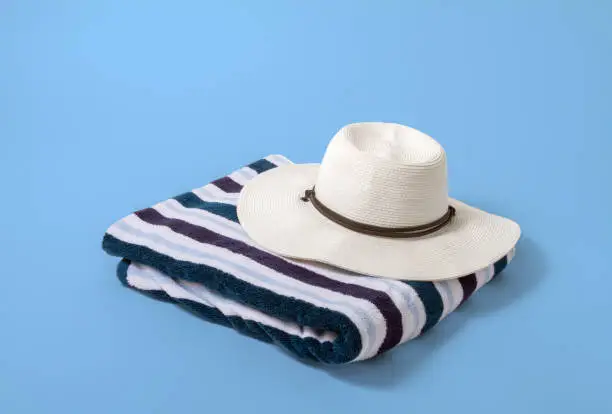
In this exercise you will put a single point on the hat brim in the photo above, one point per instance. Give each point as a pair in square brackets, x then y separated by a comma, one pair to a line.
[272, 213]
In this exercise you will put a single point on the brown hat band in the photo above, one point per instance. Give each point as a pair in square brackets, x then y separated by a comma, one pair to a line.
[394, 232]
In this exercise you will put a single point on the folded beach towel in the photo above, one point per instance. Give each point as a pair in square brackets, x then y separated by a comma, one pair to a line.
[191, 250]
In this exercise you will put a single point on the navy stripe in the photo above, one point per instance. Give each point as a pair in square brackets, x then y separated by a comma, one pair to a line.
[500, 265]
[190, 200]
[468, 285]
[434, 306]
[262, 165]
[228, 185]
[345, 348]
[380, 299]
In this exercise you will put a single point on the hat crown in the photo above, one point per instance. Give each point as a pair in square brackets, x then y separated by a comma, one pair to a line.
[384, 174]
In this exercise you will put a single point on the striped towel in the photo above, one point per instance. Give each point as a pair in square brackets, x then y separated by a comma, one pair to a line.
[191, 250]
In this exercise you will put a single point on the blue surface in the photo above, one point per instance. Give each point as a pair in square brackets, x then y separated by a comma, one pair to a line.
[109, 106]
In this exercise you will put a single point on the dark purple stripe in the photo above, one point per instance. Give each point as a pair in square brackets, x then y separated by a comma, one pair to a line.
[381, 300]
[228, 185]
[468, 284]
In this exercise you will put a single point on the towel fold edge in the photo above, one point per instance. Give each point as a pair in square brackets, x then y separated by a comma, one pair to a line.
[344, 349]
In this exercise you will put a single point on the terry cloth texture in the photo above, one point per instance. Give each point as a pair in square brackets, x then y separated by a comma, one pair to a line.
[191, 250]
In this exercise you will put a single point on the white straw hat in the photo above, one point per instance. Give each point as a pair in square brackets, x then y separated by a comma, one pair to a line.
[377, 204]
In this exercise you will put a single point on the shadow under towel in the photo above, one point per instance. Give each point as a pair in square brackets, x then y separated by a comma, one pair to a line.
[191, 250]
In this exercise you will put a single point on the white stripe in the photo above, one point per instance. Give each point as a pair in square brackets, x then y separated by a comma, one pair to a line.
[243, 175]
[445, 293]
[139, 276]
[230, 263]
[419, 309]
[457, 290]
[141, 283]
[511, 254]
[481, 278]
[195, 292]
[278, 159]
[454, 294]
[214, 194]
[490, 272]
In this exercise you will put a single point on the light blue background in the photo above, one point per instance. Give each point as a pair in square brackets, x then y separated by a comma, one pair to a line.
[110, 106]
